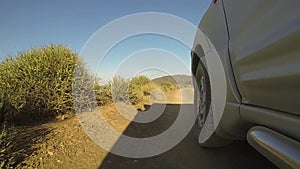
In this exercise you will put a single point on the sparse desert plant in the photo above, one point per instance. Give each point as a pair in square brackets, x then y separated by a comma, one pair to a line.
[167, 87]
[148, 88]
[122, 91]
[103, 94]
[140, 81]
[38, 83]
[135, 95]
[143, 84]
[138, 86]
[52, 80]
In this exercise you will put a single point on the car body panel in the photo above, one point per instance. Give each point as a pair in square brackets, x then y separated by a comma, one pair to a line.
[287, 124]
[265, 52]
[218, 35]
[258, 44]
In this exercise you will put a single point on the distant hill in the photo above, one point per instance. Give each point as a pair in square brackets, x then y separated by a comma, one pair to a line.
[182, 80]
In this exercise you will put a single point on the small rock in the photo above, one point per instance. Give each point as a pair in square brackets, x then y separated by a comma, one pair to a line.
[50, 153]
[58, 161]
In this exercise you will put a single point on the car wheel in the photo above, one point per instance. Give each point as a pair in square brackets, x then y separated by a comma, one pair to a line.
[202, 103]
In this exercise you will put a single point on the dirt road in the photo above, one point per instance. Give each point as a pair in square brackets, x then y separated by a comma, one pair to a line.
[64, 144]
[187, 154]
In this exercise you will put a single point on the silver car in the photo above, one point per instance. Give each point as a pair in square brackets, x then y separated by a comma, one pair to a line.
[258, 45]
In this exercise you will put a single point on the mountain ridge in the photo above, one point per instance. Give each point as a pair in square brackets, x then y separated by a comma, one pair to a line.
[182, 80]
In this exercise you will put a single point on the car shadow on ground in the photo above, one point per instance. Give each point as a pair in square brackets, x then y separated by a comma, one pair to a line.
[187, 154]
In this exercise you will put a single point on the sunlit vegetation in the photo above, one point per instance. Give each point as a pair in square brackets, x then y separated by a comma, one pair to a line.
[49, 81]
[38, 83]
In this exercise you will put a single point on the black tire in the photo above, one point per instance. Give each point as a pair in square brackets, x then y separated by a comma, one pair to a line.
[201, 76]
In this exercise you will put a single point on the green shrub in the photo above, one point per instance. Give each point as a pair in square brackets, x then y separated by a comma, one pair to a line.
[123, 92]
[149, 88]
[135, 95]
[103, 94]
[140, 81]
[141, 85]
[38, 83]
[167, 87]
[120, 89]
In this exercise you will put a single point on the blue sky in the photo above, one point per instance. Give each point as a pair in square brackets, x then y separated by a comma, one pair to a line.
[34, 23]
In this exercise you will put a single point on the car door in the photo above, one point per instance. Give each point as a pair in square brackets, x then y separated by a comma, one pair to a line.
[264, 46]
